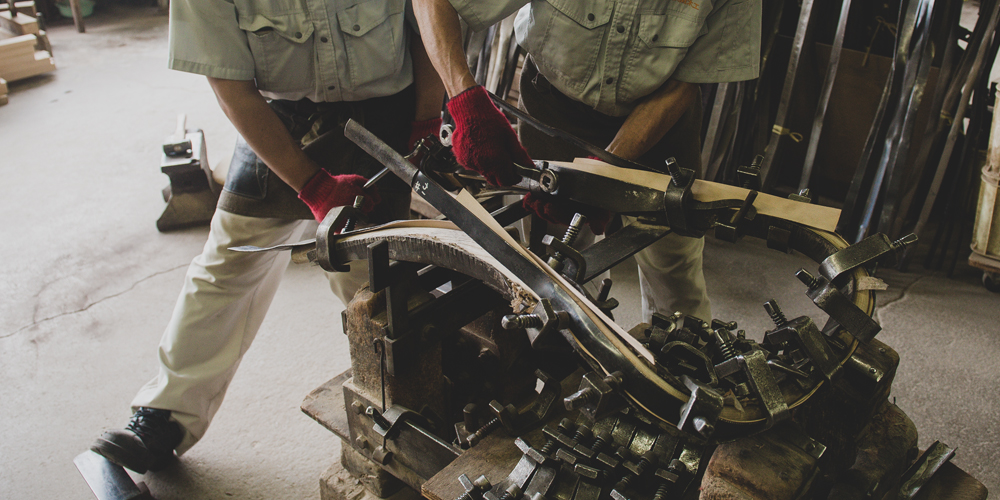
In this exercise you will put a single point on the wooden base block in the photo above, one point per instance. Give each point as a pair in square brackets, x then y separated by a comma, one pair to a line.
[39, 62]
[27, 8]
[21, 24]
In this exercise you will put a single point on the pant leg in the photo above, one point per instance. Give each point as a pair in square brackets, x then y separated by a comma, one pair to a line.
[670, 271]
[671, 278]
[221, 306]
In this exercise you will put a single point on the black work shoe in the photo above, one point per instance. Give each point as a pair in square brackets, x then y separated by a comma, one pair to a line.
[147, 443]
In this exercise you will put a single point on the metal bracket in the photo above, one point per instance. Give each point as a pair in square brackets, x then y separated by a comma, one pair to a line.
[676, 201]
[701, 412]
[759, 374]
[596, 395]
[802, 333]
[733, 230]
[326, 237]
[874, 248]
[827, 297]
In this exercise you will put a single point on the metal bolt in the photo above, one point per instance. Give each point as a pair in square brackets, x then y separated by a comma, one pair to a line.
[358, 407]
[518, 321]
[572, 231]
[580, 398]
[582, 433]
[775, 312]
[513, 491]
[565, 426]
[605, 290]
[647, 460]
[674, 170]
[361, 442]
[724, 343]
[903, 242]
[603, 438]
[473, 488]
[808, 279]
[469, 416]
[359, 201]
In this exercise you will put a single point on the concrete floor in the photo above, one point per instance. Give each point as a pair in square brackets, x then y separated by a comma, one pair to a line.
[87, 284]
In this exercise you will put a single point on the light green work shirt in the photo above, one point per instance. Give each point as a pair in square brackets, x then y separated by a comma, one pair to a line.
[609, 54]
[323, 50]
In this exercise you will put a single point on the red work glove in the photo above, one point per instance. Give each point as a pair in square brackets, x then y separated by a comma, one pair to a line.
[323, 192]
[484, 140]
[419, 130]
[562, 211]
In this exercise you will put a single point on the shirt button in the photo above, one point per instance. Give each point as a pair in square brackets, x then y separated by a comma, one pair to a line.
[590, 17]
[655, 38]
[298, 34]
[609, 81]
[325, 39]
[331, 87]
[621, 28]
[356, 28]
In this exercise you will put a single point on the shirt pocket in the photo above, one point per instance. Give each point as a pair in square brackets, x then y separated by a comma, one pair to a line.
[662, 43]
[282, 48]
[568, 47]
[373, 40]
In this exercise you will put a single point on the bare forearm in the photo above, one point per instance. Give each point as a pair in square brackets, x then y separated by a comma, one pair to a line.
[653, 118]
[442, 37]
[262, 129]
[429, 89]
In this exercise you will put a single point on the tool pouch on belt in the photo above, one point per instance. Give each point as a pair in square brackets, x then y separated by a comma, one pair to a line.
[252, 190]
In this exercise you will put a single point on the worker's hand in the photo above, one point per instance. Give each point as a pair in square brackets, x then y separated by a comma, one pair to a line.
[324, 191]
[562, 211]
[483, 139]
[419, 130]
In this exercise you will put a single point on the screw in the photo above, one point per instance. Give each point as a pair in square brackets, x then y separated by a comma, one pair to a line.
[518, 321]
[469, 416]
[603, 438]
[674, 170]
[605, 290]
[808, 279]
[903, 242]
[565, 426]
[776, 315]
[513, 491]
[580, 398]
[647, 460]
[483, 431]
[572, 231]
[359, 201]
[582, 433]
[724, 343]
[473, 487]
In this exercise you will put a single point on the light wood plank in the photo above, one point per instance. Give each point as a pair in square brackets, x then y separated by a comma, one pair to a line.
[22, 24]
[816, 216]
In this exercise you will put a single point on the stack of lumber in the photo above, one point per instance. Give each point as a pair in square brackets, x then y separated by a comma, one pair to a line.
[22, 47]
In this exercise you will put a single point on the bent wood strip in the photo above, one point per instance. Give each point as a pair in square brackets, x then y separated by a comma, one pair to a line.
[816, 216]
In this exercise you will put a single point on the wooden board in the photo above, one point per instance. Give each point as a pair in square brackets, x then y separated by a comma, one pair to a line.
[493, 457]
[22, 24]
[816, 216]
[27, 8]
[40, 62]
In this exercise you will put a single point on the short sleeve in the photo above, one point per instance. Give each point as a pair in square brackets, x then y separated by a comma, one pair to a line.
[729, 51]
[481, 14]
[205, 38]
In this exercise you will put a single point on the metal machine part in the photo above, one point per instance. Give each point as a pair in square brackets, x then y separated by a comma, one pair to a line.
[632, 427]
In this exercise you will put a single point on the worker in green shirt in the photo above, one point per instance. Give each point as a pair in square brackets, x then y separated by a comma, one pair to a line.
[620, 74]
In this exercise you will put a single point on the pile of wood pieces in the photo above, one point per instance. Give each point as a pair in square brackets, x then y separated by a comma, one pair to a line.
[24, 47]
